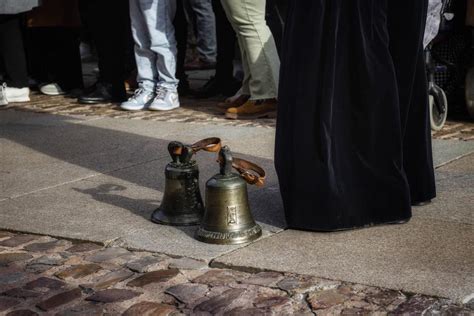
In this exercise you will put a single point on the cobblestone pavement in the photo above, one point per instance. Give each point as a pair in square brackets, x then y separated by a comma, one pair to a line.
[192, 110]
[40, 275]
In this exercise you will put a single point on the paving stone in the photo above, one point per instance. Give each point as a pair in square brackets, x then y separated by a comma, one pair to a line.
[12, 276]
[303, 283]
[220, 277]
[271, 302]
[79, 271]
[17, 240]
[89, 309]
[269, 279]
[109, 279]
[385, 297]
[22, 312]
[84, 247]
[154, 277]
[44, 263]
[60, 299]
[145, 264]
[44, 282]
[241, 311]
[415, 305]
[113, 295]
[21, 293]
[187, 264]
[188, 293]
[108, 254]
[219, 303]
[150, 309]
[42, 247]
[6, 303]
[4, 234]
[325, 299]
[7, 258]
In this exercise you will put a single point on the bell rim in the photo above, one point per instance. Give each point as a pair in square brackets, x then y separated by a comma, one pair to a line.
[254, 232]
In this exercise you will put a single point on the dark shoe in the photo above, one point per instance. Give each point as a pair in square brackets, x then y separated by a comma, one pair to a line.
[423, 203]
[200, 64]
[216, 86]
[103, 93]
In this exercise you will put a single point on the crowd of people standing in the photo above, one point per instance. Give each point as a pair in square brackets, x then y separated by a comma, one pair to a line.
[142, 45]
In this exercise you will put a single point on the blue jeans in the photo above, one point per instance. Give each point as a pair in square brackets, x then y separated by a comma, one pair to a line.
[155, 43]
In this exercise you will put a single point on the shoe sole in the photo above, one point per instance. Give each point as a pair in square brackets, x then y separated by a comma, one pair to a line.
[234, 116]
[53, 93]
[132, 110]
[94, 102]
[155, 109]
[18, 99]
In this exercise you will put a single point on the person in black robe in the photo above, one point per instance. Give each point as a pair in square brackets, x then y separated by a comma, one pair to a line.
[353, 145]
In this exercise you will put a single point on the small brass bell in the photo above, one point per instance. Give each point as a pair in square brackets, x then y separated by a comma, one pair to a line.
[227, 218]
[182, 202]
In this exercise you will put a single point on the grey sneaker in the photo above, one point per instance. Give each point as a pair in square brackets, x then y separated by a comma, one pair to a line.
[3, 95]
[165, 100]
[140, 100]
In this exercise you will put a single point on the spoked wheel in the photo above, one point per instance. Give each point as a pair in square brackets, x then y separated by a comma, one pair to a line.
[470, 92]
[438, 110]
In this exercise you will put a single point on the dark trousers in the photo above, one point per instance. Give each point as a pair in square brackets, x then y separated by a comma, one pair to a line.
[54, 56]
[108, 22]
[181, 33]
[226, 40]
[13, 51]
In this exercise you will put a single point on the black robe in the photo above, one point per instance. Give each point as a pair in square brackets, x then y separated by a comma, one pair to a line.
[353, 144]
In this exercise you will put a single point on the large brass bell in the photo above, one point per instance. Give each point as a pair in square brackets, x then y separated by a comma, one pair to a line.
[228, 219]
[182, 202]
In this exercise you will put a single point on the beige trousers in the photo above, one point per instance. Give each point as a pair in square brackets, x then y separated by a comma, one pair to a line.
[259, 54]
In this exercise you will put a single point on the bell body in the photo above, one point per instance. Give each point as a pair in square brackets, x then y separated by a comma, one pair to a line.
[227, 219]
[182, 202]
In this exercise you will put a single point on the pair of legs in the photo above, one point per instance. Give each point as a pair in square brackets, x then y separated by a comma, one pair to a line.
[54, 56]
[202, 17]
[155, 54]
[108, 23]
[14, 60]
[259, 55]
[13, 51]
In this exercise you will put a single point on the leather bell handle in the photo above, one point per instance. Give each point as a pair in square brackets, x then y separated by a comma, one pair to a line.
[212, 144]
[252, 173]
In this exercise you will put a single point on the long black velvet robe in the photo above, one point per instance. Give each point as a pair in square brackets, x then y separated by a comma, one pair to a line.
[353, 145]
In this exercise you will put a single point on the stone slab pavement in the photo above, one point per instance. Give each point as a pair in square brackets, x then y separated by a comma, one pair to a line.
[99, 179]
[40, 275]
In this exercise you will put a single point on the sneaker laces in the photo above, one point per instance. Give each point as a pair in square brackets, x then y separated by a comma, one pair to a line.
[136, 94]
[3, 87]
[161, 93]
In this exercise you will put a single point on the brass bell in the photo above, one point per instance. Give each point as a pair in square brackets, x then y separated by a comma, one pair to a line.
[227, 218]
[182, 202]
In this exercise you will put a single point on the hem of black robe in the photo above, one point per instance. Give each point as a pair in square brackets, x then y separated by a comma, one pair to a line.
[349, 228]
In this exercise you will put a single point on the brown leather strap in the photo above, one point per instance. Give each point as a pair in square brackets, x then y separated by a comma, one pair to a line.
[249, 171]
[212, 144]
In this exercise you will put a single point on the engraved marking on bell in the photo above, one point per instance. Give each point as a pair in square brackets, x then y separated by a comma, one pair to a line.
[255, 230]
[232, 214]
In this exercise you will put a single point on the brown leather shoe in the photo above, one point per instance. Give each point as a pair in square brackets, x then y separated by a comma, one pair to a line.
[232, 102]
[253, 109]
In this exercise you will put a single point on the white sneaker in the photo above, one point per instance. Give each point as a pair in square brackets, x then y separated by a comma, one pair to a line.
[52, 89]
[140, 100]
[3, 95]
[17, 94]
[165, 100]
